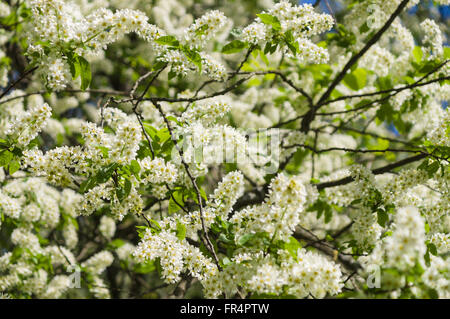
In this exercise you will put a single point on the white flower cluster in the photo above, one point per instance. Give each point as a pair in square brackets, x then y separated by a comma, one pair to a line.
[433, 37]
[437, 276]
[107, 226]
[54, 165]
[213, 68]
[440, 134]
[255, 33]
[32, 204]
[279, 215]
[309, 275]
[207, 112]
[99, 262]
[17, 202]
[56, 70]
[100, 149]
[302, 21]
[125, 143]
[365, 228]
[174, 255]
[204, 28]
[5, 10]
[27, 125]
[397, 186]
[212, 144]
[56, 24]
[156, 171]
[378, 60]
[405, 246]
[226, 194]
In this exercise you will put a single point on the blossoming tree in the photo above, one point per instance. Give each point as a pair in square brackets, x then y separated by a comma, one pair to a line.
[223, 149]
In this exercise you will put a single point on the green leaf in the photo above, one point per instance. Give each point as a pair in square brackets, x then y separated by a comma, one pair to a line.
[234, 47]
[270, 48]
[292, 246]
[417, 54]
[163, 135]
[5, 157]
[181, 231]
[150, 130]
[13, 167]
[433, 168]
[270, 20]
[4, 143]
[116, 243]
[428, 66]
[382, 217]
[85, 72]
[87, 184]
[141, 230]
[144, 268]
[201, 30]
[105, 173]
[75, 68]
[225, 239]
[446, 53]
[328, 214]
[171, 75]
[432, 249]
[356, 80]
[120, 193]
[427, 258]
[169, 40]
[245, 239]
[226, 261]
[176, 199]
[203, 194]
[105, 151]
[194, 57]
[291, 42]
[322, 207]
[364, 28]
[135, 167]
[127, 187]
[159, 65]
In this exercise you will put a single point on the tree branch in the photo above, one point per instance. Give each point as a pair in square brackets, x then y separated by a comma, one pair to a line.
[381, 170]
[311, 114]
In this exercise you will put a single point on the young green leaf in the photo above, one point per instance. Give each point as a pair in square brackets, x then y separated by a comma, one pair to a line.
[85, 72]
[234, 47]
[270, 20]
[181, 231]
[169, 40]
[356, 80]
[14, 166]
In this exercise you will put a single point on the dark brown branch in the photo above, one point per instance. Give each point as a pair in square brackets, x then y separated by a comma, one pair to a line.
[390, 139]
[139, 100]
[351, 150]
[314, 241]
[381, 170]
[13, 84]
[194, 99]
[395, 90]
[353, 60]
[207, 242]
[285, 79]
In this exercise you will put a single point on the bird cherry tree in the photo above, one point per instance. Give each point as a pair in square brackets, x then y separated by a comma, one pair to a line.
[223, 149]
